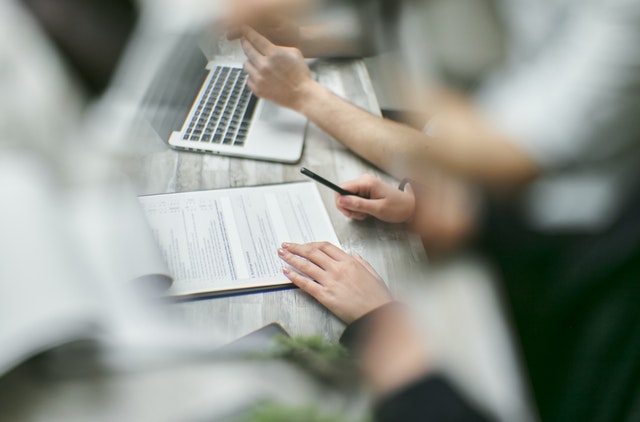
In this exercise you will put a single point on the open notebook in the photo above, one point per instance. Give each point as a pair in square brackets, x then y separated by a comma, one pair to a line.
[225, 241]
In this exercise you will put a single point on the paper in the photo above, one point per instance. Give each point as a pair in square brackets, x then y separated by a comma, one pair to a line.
[227, 239]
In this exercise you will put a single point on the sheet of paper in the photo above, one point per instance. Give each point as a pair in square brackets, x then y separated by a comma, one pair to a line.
[228, 239]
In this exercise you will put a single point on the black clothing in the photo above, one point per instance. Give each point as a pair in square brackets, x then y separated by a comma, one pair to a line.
[428, 399]
[575, 300]
[90, 34]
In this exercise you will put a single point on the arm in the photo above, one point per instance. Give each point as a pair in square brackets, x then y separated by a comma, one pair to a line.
[394, 360]
[471, 150]
[326, 40]
[283, 23]
[391, 352]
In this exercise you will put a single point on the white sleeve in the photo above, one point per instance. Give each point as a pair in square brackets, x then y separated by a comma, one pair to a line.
[578, 99]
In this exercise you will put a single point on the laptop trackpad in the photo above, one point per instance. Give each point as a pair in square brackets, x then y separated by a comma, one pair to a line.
[270, 112]
[281, 119]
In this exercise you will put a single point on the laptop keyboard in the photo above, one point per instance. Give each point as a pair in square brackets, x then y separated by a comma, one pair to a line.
[224, 112]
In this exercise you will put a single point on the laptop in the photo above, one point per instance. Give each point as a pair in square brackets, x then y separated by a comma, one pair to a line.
[205, 106]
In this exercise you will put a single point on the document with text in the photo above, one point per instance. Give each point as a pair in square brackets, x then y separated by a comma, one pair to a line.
[225, 241]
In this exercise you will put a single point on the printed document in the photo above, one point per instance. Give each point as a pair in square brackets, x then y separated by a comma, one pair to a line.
[227, 240]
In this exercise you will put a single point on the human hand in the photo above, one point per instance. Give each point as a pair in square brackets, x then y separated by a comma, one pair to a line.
[384, 202]
[348, 286]
[278, 74]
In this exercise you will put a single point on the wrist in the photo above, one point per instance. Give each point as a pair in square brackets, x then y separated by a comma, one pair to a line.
[310, 94]
[356, 334]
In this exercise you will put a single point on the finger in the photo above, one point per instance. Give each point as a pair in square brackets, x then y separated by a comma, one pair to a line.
[252, 75]
[346, 213]
[362, 185]
[331, 250]
[252, 54]
[359, 216]
[252, 86]
[311, 251]
[343, 210]
[357, 188]
[301, 264]
[260, 43]
[251, 70]
[359, 205]
[309, 286]
[353, 215]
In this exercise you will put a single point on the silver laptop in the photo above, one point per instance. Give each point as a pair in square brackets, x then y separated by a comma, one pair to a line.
[206, 106]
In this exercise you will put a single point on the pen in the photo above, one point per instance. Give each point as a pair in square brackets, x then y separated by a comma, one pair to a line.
[325, 182]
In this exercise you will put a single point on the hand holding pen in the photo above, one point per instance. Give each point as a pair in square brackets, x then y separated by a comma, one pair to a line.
[370, 196]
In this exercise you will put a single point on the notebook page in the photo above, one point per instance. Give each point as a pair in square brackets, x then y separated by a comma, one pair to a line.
[228, 239]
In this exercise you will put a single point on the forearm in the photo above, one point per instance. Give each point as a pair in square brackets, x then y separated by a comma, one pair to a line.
[382, 142]
[464, 145]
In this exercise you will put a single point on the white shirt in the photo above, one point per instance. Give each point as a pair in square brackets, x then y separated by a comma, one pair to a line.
[569, 95]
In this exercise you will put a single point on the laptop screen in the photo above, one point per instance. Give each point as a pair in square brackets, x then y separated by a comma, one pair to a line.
[175, 86]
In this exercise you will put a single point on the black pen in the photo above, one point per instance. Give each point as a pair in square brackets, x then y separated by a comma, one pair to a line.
[327, 183]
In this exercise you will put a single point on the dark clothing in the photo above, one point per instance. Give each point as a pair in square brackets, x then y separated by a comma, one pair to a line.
[90, 34]
[575, 300]
[428, 399]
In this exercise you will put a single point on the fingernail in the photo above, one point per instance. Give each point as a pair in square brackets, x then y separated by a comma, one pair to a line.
[286, 270]
[281, 252]
[286, 245]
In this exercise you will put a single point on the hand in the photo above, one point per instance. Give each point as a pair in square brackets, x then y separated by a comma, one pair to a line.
[278, 74]
[348, 286]
[385, 202]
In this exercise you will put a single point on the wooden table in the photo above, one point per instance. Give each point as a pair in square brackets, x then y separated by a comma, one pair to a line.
[386, 247]
[479, 338]
[460, 305]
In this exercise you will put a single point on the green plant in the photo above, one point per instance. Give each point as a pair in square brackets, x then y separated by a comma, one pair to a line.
[272, 412]
[326, 361]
